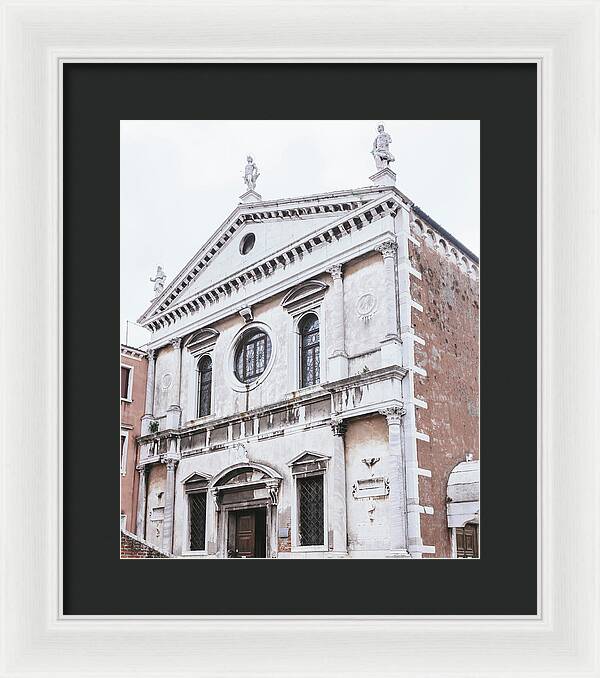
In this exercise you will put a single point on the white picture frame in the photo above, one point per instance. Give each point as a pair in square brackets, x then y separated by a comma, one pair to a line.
[562, 38]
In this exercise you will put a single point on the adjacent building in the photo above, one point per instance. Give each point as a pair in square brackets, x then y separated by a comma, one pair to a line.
[134, 367]
[312, 387]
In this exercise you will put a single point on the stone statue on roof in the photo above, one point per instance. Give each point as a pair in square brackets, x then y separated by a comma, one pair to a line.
[251, 173]
[159, 281]
[381, 149]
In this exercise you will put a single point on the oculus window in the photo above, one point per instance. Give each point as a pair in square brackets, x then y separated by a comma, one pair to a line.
[247, 243]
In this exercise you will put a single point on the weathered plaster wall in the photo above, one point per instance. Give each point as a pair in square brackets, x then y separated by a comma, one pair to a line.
[155, 487]
[366, 438]
[364, 315]
[449, 324]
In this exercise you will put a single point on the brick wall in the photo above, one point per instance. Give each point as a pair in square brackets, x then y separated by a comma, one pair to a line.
[449, 324]
[133, 547]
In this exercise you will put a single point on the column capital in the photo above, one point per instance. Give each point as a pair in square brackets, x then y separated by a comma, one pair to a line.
[393, 414]
[338, 426]
[151, 353]
[387, 248]
[141, 469]
[175, 342]
[272, 486]
[171, 463]
[335, 271]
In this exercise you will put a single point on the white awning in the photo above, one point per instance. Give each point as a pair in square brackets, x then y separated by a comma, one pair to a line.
[463, 494]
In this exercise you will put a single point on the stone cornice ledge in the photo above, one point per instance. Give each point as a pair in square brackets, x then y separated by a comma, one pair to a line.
[298, 400]
[365, 378]
[231, 308]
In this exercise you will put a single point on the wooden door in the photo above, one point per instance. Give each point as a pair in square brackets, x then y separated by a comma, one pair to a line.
[245, 534]
[467, 541]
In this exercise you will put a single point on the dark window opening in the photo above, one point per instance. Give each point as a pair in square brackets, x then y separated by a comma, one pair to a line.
[197, 521]
[247, 243]
[310, 359]
[125, 376]
[310, 506]
[204, 385]
[467, 541]
[252, 355]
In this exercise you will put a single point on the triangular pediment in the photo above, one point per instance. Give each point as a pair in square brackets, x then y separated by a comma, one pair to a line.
[274, 225]
[197, 477]
[308, 458]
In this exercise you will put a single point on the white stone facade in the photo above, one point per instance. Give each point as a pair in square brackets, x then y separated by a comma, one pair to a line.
[343, 257]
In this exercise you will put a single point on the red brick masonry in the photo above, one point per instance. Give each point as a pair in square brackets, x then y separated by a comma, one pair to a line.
[134, 547]
[449, 324]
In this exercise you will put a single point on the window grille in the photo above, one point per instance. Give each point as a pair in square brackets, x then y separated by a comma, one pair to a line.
[204, 386]
[310, 504]
[252, 355]
[197, 521]
[309, 350]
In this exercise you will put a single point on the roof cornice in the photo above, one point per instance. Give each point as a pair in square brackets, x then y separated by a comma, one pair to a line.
[356, 219]
[294, 208]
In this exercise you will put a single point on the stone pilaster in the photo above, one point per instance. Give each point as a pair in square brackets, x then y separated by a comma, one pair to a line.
[338, 358]
[273, 489]
[212, 521]
[398, 509]
[391, 353]
[140, 528]
[174, 410]
[149, 407]
[337, 494]
[167, 543]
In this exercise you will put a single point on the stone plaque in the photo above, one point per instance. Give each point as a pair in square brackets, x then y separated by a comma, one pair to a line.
[371, 487]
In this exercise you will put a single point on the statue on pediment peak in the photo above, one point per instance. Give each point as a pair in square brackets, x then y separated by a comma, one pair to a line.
[251, 173]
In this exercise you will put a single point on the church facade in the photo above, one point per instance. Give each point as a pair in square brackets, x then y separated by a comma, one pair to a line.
[313, 384]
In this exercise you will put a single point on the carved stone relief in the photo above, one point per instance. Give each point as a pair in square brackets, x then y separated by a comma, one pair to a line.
[366, 305]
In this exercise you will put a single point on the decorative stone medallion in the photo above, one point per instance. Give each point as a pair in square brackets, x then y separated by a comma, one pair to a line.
[366, 305]
[166, 381]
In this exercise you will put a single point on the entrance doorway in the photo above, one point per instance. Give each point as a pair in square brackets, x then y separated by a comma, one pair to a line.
[247, 536]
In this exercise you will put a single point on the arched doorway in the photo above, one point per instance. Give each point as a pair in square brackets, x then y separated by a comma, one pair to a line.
[245, 497]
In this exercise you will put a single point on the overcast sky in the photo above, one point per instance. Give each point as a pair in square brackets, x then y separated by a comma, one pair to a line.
[181, 178]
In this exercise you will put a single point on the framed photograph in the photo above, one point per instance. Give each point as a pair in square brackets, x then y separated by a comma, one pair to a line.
[349, 255]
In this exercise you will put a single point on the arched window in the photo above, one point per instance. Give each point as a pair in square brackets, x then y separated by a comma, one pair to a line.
[204, 385]
[310, 359]
[252, 355]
